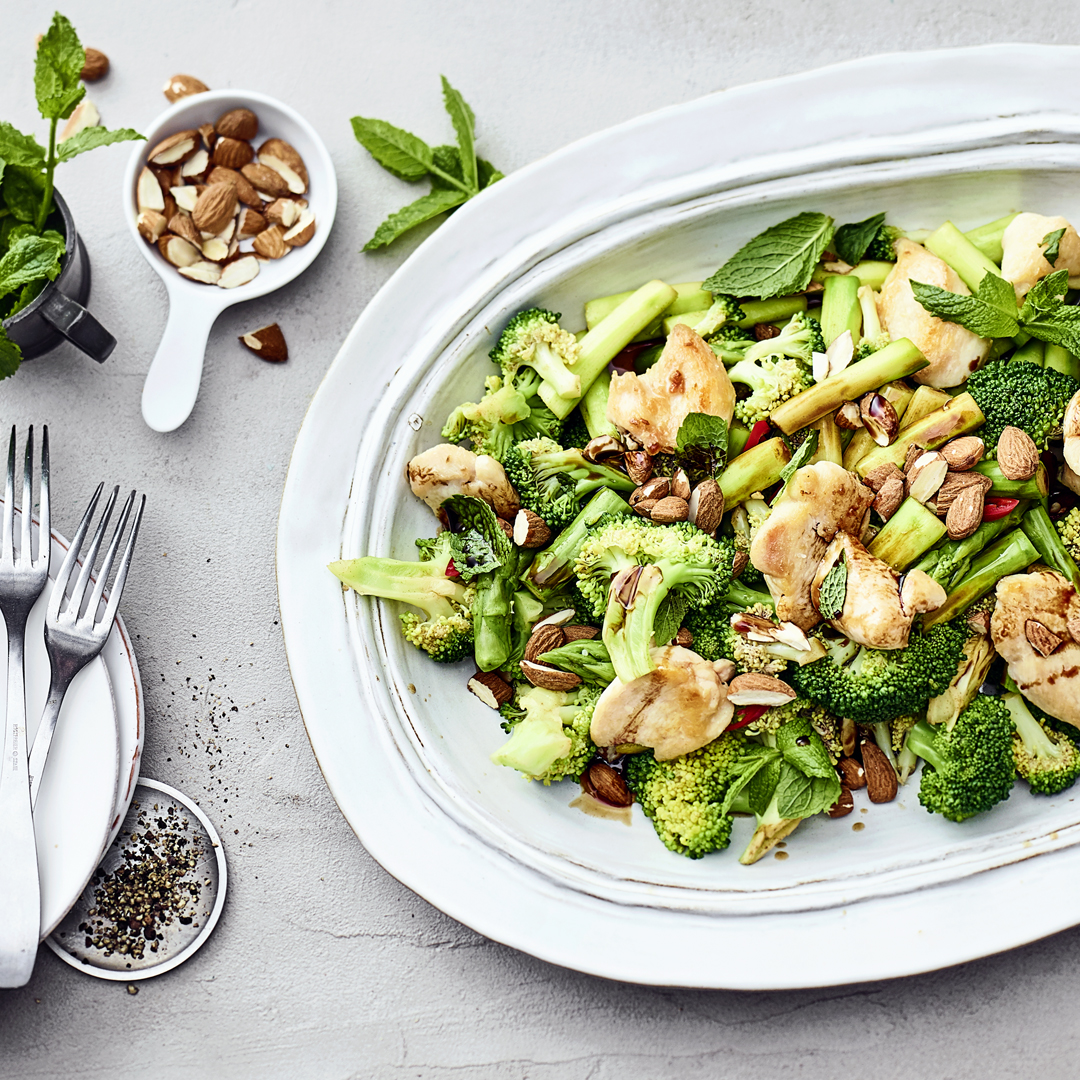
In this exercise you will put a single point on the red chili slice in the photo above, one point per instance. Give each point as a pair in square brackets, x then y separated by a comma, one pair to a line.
[452, 570]
[757, 433]
[998, 507]
[747, 715]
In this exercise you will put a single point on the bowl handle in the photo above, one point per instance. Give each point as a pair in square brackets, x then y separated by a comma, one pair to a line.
[172, 383]
[77, 325]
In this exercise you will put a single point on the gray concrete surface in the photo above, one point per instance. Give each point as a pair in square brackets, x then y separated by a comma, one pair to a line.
[323, 965]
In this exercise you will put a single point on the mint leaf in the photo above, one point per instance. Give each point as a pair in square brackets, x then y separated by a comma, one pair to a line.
[487, 174]
[19, 149]
[1052, 240]
[802, 796]
[701, 447]
[21, 191]
[29, 258]
[424, 209]
[763, 785]
[851, 241]
[802, 747]
[394, 149]
[669, 618]
[10, 355]
[798, 460]
[776, 262]
[752, 760]
[57, 66]
[834, 591]
[464, 122]
[91, 139]
[990, 313]
[466, 512]
[28, 294]
[1046, 316]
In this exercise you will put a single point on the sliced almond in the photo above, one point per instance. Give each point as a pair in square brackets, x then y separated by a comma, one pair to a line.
[214, 208]
[963, 453]
[549, 678]
[206, 272]
[278, 155]
[1041, 638]
[705, 508]
[182, 225]
[819, 366]
[208, 136]
[151, 224]
[148, 194]
[237, 124]
[244, 190]
[186, 196]
[175, 148]
[602, 782]
[180, 86]
[558, 618]
[491, 688]
[840, 352]
[881, 781]
[286, 212]
[228, 232]
[264, 179]
[926, 475]
[758, 629]
[739, 561]
[232, 153]
[670, 510]
[888, 499]
[302, 231]
[240, 272]
[269, 243]
[756, 689]
[85, 115]
[542, 640]
[851, 773]
[196, 165]
[848, 417]
[1017, 454]
[251, 224]
[268, 342]
[215, 249]
[178, 251]
[966, 512]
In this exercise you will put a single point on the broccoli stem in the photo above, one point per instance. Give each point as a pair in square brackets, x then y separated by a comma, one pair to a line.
[906, 761]
[871, 323]
[899, 395]
[947, 242]
[957, 416]
[555, 565]
[987, 238]
[771, 829]
[907, 535]
[492, 637]
[897, 360]
[922, 740]
[1036, 488]
[830, 445]
[840, 308]
[422, 584]
[689, 296]
[949, 563]
[883, 738]
[594, 407]
[1031, 352]
[756, 469]
[737, 437]
[608, 338]
[1012, 553]
[740, 597]
[1031, 732]
[778, 309]
[1058, 358]
[1040, 530]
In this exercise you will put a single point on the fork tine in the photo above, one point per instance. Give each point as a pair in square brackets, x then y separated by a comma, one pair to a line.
[45, 530]
[26, 552]
[79, 590]
[125, 564]
[7, 534]
[56, 597]
[106, 564]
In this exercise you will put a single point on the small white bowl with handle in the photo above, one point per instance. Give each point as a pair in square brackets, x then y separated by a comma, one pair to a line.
[172, 383]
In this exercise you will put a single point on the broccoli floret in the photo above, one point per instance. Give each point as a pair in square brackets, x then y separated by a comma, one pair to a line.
[551, 481]
[549, 733]
[1048, 760]
[881, 247]
[799, 340]
[746, 520]
[969, 768]
[823, 722]
[1068, 529]
[971, 672]
[534, 339]
[446, 631]
[773, 379]
[650, 561]
[870, 345]
[505, 415]
[724, 311]
[730, 343]
[716, 639]
[575, 432]
[871, 686]
[682, 797]
[1024, 396]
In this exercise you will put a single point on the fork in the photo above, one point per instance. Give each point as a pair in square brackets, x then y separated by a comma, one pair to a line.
[74, 634]
[22, 579]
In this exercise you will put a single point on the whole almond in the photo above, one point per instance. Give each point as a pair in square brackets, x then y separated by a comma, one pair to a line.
[602, 782]
[1017, 455]
[180, 86]
[670, 510]
[659, 487]
[844, 805]
[549, 678]
[706, 506]
[966, 512]
[644, 507]
[680, 484]
[1041, 638]
[851, 773]
[890, 496]
[95, 66]
[491, 688]
[232, 153]
[214, 208]
[963, 453]
[265, 180]
[638, 465]
[881, 781]
[954, 483]
[244, 191]
[543, 640]
[237, 124]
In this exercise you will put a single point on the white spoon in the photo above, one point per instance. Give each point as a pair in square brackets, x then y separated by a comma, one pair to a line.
[172, 383]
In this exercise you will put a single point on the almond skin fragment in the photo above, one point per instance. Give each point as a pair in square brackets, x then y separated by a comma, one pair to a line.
[180, 86]
[286, 213]
[680, 484]
[580, 633]
[151, 224]
[1041, 638]
[881, 782]
[1017, 455]
[268, 342]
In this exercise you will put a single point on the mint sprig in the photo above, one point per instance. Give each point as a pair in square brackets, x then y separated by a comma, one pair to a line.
[833, 591]
[701, 447]
[851, 241]
[778, 261]
[1052, 240]
[456, 173]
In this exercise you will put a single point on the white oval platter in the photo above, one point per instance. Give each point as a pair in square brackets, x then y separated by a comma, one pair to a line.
[962, 134]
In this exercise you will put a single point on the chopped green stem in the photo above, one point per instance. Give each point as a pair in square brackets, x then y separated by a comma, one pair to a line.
[883, 738]
[689, 297]
[594, 407]
[840, 308]
[1041, 532]
[871, 272]
[756, 469]
[948, 243]
[50, 168]
[871, 324]
[491, 620]
[1058, 358]
[1038, 487]
[775, 310]
[555, 565]
[1031, 352]
[950, 562]
[910, 532]
[987, 238]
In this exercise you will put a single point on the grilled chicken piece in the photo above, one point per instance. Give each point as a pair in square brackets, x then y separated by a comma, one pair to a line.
[447, 470]
[679, 707]
[880, 605]
[1051, 682]
[822, 500]
[954, 353]
[687, 378]
[1024, 263]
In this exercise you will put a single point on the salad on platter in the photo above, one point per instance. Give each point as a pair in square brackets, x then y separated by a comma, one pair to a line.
[746, 545]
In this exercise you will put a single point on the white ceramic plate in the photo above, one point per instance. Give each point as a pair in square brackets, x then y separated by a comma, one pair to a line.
[962, 134]
[94, 761]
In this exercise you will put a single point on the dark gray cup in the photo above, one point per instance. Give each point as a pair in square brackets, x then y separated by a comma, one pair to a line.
[58, 312]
